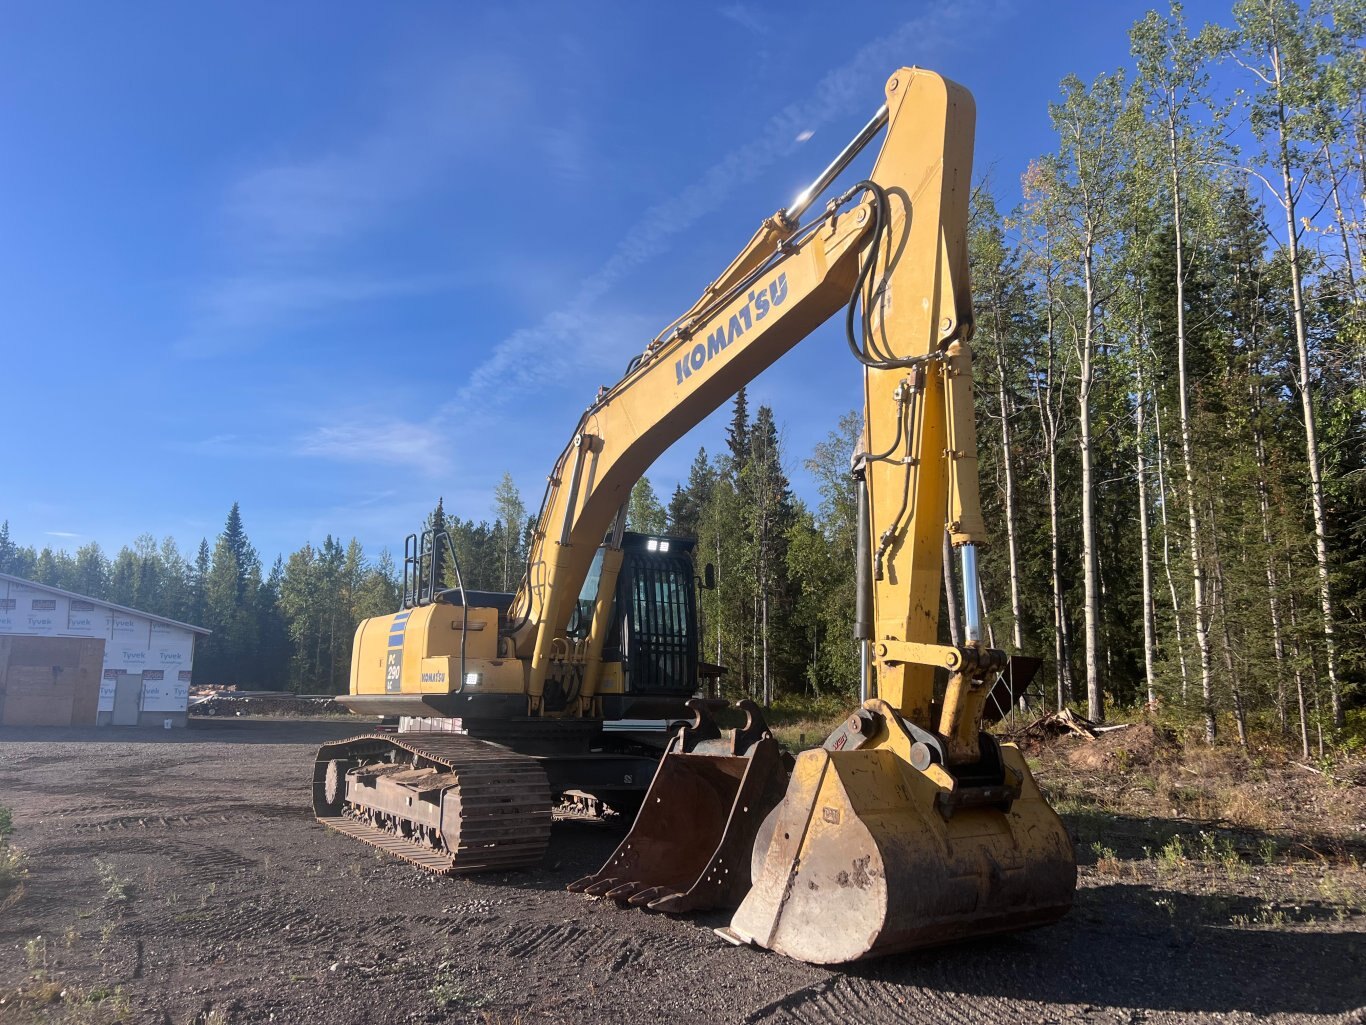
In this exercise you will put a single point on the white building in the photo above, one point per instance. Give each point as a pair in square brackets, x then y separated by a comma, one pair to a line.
[67, 659]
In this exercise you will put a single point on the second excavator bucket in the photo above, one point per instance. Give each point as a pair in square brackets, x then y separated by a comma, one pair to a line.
[691, 845]
[879, 848]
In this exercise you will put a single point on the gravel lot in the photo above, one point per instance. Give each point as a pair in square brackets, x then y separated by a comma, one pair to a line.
[179, 877]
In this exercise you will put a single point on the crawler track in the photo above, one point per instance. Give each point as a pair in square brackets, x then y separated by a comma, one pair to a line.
[444, 802]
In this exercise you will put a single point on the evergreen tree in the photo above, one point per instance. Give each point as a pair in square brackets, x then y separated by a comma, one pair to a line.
[231, 592]
[821, 565]
[737, 434]
[685, 508]
[510, 511]
[8, 550]
[275, 650]
[437, 522]
[90, 575]
[199, 582]
[644, 514]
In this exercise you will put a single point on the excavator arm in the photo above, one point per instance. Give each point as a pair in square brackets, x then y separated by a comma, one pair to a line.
[893, 250]
[909, 827]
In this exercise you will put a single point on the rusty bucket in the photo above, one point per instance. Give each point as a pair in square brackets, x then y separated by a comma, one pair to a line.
[691, 845]
[869, 854]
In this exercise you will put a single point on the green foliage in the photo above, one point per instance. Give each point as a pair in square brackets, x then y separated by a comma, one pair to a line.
[753, 623]
[12, 863]
[116, 887]
[644, 513]
[510, 512]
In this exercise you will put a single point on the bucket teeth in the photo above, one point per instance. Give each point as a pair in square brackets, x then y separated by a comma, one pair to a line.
[600, 888]
[651, 897]
[625, 891]
[671, 901]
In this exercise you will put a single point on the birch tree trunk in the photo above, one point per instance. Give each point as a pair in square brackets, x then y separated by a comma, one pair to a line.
[1183, 390]
[1149, 632]
[1167, 548]
[1007, 462]
[1272, 591]
[1299, 680]
[1044, 388]
[1230, 666]
[1095, 699]
[1311, 437]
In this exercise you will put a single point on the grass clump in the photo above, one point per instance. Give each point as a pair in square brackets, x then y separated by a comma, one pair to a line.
[115, 886]
[447, 989]
[12, 867]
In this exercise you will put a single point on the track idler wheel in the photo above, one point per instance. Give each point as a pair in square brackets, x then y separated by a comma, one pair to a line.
[334, 787]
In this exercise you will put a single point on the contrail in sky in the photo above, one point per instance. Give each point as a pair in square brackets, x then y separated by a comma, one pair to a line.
[521, 359]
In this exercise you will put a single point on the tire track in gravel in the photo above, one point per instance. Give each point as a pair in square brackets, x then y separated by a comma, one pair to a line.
[204, 860]
[292, 925]
[579, 940]
[127, 815]
[839, 999]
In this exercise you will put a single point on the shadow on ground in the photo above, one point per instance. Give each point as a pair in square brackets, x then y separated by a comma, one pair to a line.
[1132, 945]
[200, 731]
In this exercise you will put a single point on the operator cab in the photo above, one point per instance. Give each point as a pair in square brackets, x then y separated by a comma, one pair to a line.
[653, 633]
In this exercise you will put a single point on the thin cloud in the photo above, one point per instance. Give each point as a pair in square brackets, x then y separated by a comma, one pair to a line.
[214, 445]
[385, 442]
[295, 207]
[840, 91]
[744, 16]
[567, 153]
[238, 312]
[225, 446]
[291, 223]
[66, 534]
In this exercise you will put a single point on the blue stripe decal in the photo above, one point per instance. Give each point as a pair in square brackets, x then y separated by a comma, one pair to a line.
[395, 642]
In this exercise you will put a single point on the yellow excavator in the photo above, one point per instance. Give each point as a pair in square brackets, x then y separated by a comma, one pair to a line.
[909, 826]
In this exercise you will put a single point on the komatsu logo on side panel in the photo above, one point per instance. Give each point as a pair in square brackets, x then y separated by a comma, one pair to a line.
[760, 301]
[433, 677]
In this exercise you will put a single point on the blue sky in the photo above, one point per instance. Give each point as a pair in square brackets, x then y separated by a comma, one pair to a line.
[332, 260]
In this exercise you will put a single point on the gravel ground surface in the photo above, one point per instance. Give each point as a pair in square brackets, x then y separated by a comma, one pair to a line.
[179, 877]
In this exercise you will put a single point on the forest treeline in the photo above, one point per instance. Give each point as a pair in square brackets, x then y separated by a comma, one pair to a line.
[286, 627]
[1170, 359]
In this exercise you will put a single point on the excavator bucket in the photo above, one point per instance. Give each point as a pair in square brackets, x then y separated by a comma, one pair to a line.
[868, 854]
[691, 845]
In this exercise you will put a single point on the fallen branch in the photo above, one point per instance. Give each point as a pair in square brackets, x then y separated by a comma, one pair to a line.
[1326, 775]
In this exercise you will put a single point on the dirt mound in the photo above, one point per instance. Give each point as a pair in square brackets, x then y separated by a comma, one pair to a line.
[1140, 744]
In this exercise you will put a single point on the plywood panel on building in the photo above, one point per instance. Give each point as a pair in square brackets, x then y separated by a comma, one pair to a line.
[4, 665]
[44, 651]
[85, 701]
[37, 710]
[51, 681]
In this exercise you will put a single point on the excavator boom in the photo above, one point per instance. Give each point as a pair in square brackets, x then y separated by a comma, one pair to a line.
[910, 826]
